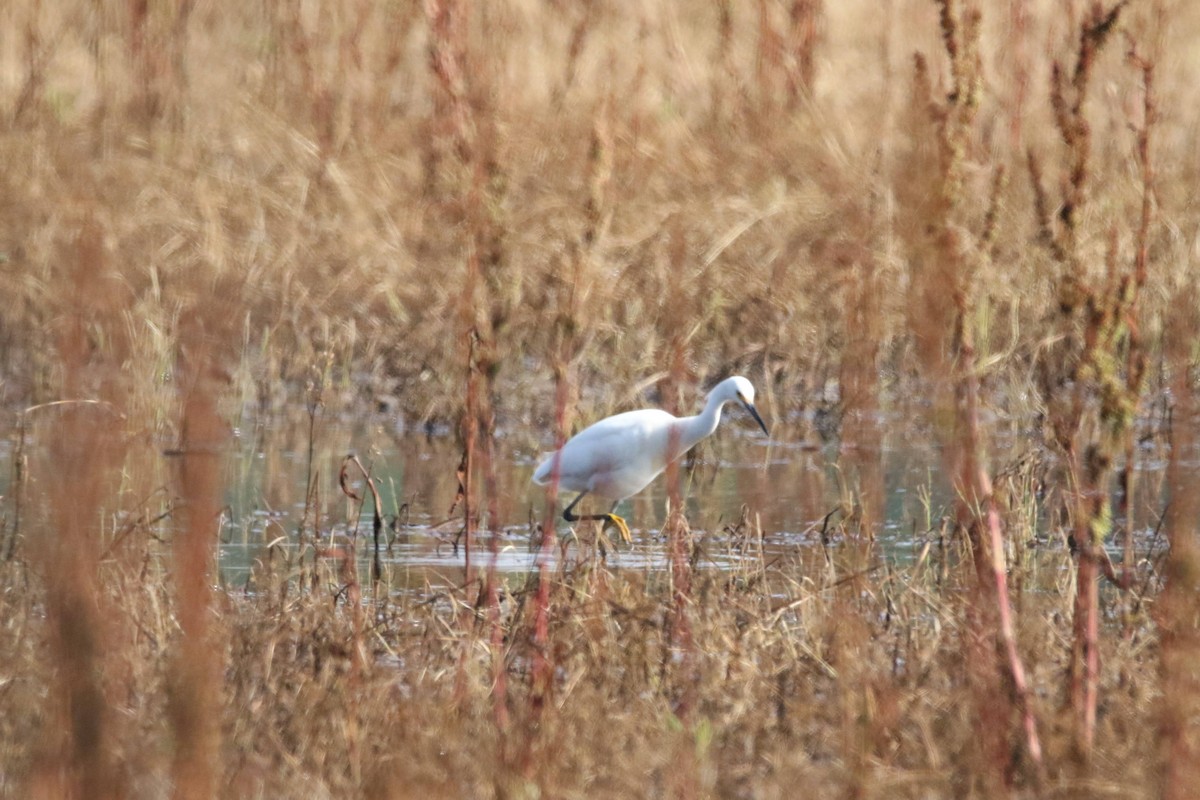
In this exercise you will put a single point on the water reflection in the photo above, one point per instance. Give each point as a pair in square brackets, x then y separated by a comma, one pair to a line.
[888, 485]
[891, 488]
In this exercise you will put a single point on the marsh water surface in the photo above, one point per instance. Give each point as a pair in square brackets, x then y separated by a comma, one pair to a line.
[738, 483]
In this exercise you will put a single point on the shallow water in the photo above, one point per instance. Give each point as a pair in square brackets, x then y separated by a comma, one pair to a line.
[783, 487]
[892, 491]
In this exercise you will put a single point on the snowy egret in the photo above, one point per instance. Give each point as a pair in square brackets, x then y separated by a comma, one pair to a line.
[617, 457]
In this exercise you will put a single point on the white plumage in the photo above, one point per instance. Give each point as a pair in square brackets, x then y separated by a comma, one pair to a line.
[619, 456]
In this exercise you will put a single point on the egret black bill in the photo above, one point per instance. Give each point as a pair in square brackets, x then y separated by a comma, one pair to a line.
[754, 413]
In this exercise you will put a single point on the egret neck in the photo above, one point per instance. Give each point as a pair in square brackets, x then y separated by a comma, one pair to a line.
[690, 430]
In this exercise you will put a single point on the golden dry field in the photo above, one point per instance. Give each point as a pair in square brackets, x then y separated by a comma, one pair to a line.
[238, 237]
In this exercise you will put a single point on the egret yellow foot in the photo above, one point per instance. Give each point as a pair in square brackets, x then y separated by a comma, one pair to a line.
[610, 519]
[619, 523]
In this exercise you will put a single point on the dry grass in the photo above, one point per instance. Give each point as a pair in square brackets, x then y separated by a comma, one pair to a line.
[495, 214]
[319, 179]
[812, 675]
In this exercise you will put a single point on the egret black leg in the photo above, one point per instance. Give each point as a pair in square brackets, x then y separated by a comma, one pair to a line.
[567, 515]
[609, 519]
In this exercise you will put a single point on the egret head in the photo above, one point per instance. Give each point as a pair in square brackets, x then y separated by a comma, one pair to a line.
[739, 389]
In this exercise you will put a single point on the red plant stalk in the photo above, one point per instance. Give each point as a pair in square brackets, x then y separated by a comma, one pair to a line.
[1018, 24]
[681, 587]
[485, 252]
[80, 762]
[1135, 364]
[990, 563]
[681, 574]
[139, 52]
[567, 344]
[678, 534]
[469, 431]
[1112, 324]
[469, 314]
[179, 42]
[720, 70]
[680, 643]
[195, 701]
[978, 512]
[543, 666]
[353, 586]
[676, 522]
[465, 496]
[804, 17]
[496, 641]
[1008, 632]
[860, 385]
[948, 291]
[1179, 605]
[1085, 647]
[769, 55]
[1094, 365]
[37, 56]
[447, 26]
[348, 575]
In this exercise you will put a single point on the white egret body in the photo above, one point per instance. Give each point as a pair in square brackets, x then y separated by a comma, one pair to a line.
[617, 457]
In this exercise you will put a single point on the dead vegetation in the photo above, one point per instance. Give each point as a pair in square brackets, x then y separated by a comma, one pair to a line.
[514, 215]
